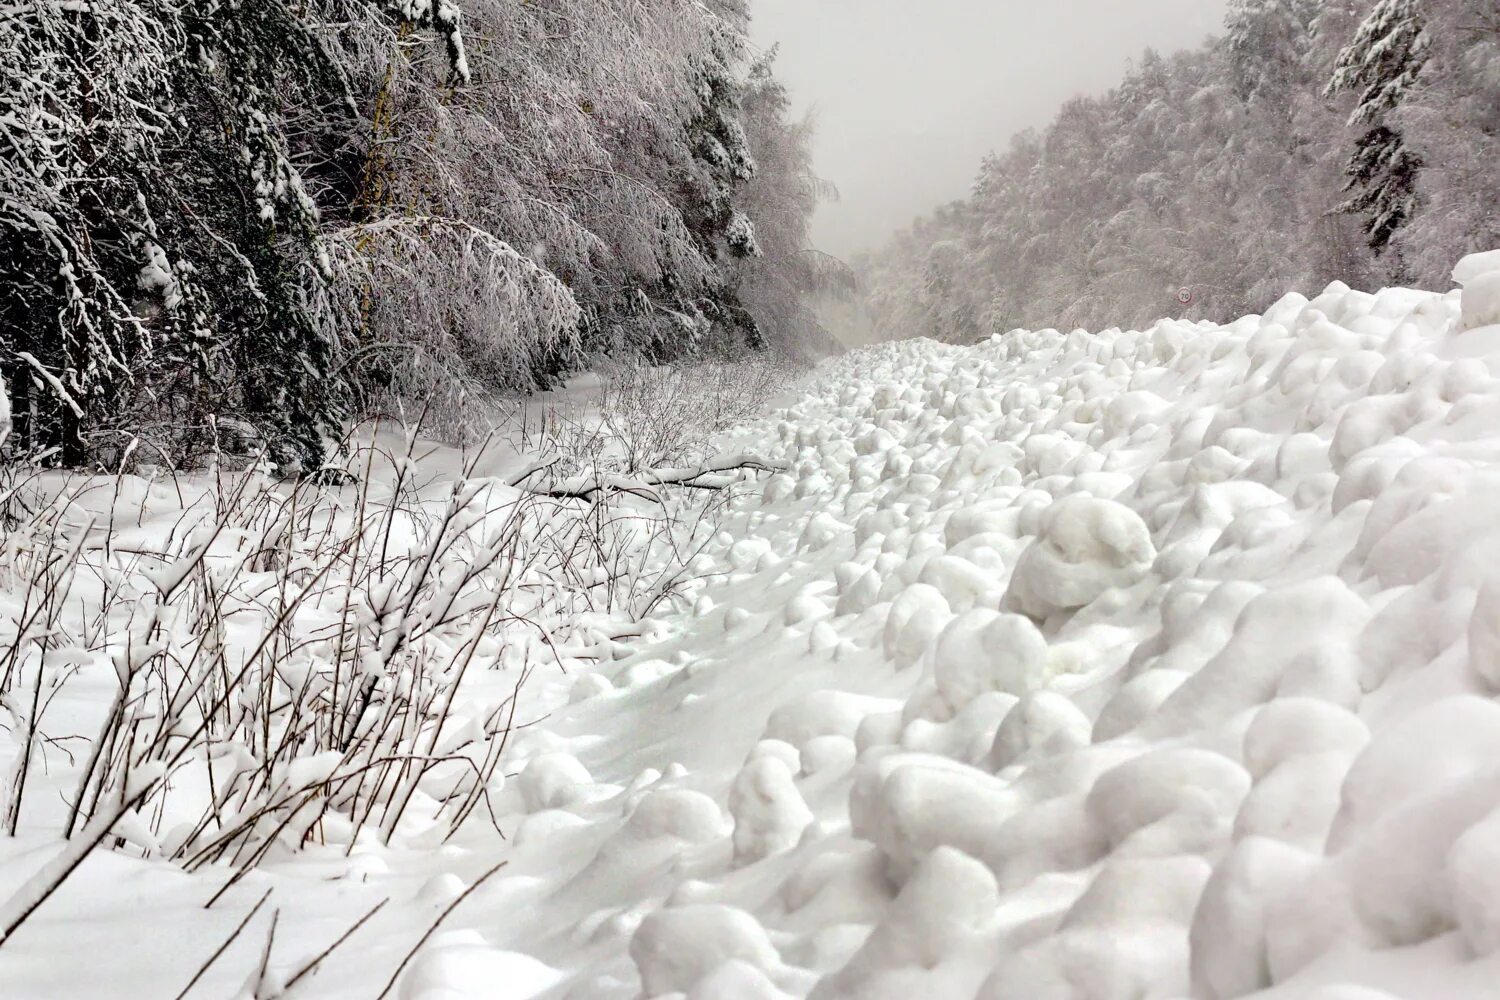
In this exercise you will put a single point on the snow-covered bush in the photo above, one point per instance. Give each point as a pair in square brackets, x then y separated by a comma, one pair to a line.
[500, 322]
[283, 660]
[647, 416]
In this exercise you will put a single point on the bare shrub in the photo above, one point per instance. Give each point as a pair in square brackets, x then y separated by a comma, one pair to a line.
[285, 657]
[647, 416]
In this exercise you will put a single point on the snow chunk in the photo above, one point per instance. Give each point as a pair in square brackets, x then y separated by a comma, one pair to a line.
[1169, 801]
[1229, 928]
[1137, 700]
[1473, 881]
[1293, 727]
[982, 651]
[1476, 265]
[1479, 274]
[917, 616]
[589, 686]
[944, 914]
[465, 968]
[1042, 724]
[1123, 939]
[1136, 892]
[677, 948]
[1298, 640]
[823, 713]
[1444, 742]
[737, 980]
[553, 781]
[677, 812]
[1086, 547]
[1398, 873]
[769, 812]
[909, 805]
[828, 753]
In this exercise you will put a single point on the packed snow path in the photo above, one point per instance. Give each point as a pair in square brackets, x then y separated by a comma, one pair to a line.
[1066, 667]
[1118, 665]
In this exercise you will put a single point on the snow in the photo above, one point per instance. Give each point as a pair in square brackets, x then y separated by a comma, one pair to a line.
[1141, 664]
[460, 964]
[677, 947]
[553, 781]
[769, 812]
[1479, 274]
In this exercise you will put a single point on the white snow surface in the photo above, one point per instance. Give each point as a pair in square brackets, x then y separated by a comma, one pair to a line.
[1084, 666]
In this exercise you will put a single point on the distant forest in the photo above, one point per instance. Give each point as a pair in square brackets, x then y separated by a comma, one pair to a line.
[1314, 141]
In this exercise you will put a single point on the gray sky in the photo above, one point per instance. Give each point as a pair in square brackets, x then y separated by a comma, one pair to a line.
[911, 94]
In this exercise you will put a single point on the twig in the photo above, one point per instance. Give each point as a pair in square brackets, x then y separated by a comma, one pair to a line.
[433, 929]
[223, 947]
[265, 955]
[312, 967]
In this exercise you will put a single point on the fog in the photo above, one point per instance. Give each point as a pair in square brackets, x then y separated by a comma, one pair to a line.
[909, 95]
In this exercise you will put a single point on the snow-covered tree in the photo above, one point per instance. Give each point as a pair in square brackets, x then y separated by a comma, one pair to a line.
[1382, 64]
[597, 140]
[1268, 44]
[1226, 171]
[1451, 118]
[155, 219]
[269, 210]
[777, 285]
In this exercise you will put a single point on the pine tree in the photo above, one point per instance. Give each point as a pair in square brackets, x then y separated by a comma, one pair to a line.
[719, 166]
[600, 144]
[1382, 63]
[1454, 110]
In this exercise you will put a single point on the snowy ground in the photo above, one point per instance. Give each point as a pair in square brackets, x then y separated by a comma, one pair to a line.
[1124, 665]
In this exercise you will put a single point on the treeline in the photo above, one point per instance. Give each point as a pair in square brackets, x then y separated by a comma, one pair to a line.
[1316, 140]
[258, 217]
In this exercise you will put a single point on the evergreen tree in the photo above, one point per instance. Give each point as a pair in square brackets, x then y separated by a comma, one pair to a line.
[286, 212]
[591, 171]
[1382, 63]
[1452, 118]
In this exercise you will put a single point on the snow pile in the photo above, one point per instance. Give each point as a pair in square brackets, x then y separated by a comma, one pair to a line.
[1138, 664]
[1129, 664]
[1479, 274]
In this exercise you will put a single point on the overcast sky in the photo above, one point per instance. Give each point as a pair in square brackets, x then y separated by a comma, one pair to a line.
[911, 94]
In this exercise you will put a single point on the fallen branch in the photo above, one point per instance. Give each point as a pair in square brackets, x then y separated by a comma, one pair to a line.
[540, 465]
[585, 487]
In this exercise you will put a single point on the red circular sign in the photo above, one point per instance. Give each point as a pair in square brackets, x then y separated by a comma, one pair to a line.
[1185, 296]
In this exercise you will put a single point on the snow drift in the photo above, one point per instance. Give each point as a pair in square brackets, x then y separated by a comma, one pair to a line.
[1133, 664]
